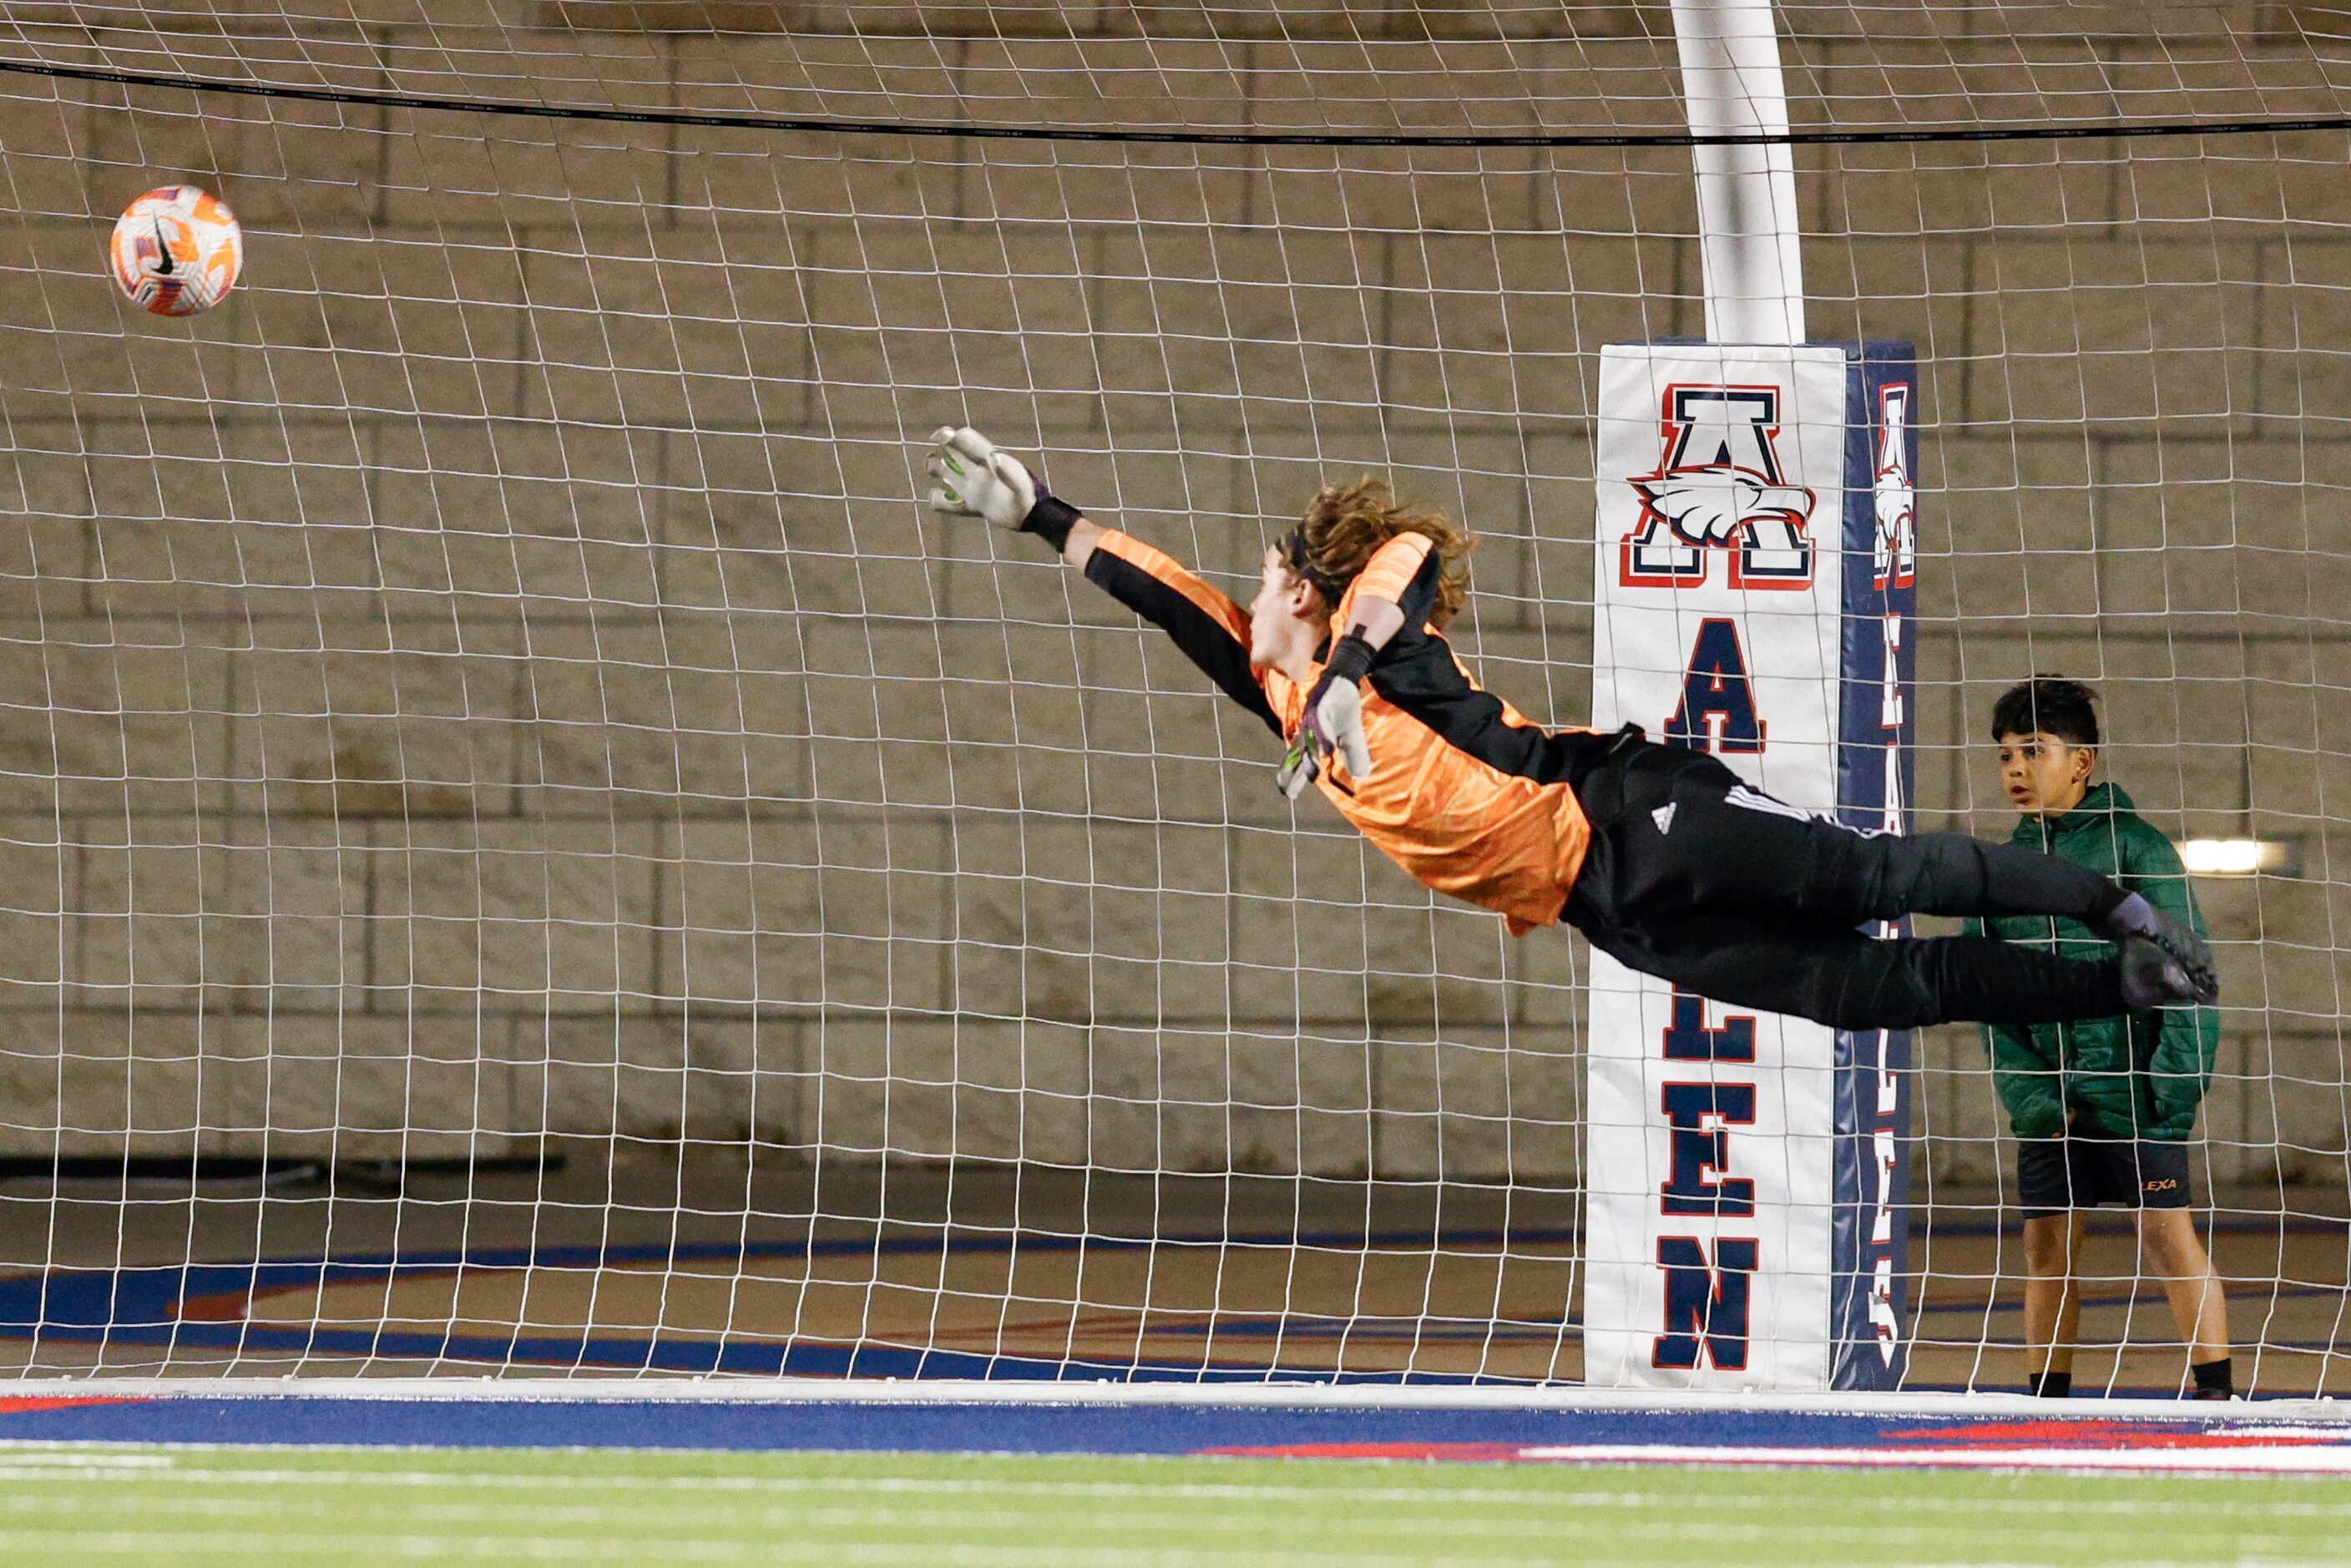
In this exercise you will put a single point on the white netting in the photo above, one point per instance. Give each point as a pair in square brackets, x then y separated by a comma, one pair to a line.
[494, 744]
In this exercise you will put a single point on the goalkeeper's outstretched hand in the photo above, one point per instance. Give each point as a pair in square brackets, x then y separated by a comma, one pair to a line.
[1332, 723]
[970, 478]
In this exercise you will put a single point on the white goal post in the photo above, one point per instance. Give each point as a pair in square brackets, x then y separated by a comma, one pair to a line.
[1745, 1224]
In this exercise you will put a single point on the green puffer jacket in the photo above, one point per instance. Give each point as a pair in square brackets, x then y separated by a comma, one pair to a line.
[2142, 1074]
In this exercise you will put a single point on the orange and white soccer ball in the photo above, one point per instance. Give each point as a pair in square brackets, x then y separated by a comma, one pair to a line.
[177, 250]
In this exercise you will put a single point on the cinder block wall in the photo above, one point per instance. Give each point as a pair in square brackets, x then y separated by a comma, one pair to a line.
[492, 678]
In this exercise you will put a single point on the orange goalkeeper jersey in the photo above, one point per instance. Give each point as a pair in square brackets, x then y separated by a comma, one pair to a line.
[1465, 793]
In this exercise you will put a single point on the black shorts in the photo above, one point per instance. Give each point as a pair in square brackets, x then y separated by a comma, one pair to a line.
[2086, 1171]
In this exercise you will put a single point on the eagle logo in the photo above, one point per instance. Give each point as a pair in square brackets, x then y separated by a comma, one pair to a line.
[1710, 505]
[1720, 488]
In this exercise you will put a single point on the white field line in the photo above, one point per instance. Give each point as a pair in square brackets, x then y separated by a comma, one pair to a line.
[802, 1517]
[1249, 1396]
[71, 1463]
[2281, 1460]
[167, 1546]
[55, 1545]
[89, 1463]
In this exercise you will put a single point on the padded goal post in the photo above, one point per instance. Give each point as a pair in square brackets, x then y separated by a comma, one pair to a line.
[1755, 581]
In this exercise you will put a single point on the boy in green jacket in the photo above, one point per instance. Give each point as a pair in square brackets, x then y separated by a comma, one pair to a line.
[2102, 1108]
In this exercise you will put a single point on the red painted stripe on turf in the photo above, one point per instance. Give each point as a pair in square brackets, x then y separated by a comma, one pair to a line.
[2101, 1434]
[2274, 1453]
[2333, 1460]
[24, 1403]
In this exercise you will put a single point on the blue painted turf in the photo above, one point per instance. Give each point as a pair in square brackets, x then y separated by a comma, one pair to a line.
[1034, 1427]
[201, 1307]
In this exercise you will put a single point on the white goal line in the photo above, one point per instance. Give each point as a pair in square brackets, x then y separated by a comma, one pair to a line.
[1253, 1396]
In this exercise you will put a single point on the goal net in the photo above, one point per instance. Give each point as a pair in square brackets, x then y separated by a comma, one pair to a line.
[524, 847]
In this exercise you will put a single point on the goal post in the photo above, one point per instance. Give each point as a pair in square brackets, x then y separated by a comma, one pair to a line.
[1745, 1215]
[1750, 249]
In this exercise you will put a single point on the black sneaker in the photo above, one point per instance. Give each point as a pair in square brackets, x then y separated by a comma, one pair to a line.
[2152, 977]
[2134, 921]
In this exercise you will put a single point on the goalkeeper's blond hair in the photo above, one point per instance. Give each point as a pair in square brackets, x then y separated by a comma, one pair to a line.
[1345, 525]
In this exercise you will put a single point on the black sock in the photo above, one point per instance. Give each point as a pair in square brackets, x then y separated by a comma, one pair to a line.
[2213, 1378]
[2049, 1385]
[1982, 978]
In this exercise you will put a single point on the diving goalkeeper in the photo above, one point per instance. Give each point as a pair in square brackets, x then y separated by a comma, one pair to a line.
[1659, 854]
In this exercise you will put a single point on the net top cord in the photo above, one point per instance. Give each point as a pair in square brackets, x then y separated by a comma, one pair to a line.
[2274, 125]
[1493, 75]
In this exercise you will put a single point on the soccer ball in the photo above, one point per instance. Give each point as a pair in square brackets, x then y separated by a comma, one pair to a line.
[177, 250]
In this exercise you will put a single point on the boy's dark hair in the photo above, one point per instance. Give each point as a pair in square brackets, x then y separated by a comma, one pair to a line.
[2048, 704]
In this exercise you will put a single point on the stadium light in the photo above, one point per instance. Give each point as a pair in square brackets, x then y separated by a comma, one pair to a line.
[2239, 857]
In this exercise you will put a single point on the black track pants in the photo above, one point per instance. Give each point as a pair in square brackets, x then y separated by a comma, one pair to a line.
[1696, 878]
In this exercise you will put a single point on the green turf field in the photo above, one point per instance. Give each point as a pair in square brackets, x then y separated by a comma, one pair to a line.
[348, 1507]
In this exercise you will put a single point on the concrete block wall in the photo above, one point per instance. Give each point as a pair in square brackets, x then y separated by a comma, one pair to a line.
[492, 678]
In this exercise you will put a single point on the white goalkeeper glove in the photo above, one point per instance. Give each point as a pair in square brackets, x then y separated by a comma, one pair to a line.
[1332, 722]
[972, 478]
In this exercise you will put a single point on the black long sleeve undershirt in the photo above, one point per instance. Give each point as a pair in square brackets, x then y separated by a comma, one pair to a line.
[1205, 640]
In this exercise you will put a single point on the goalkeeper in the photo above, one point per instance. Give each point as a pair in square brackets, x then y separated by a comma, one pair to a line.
[1658, 854]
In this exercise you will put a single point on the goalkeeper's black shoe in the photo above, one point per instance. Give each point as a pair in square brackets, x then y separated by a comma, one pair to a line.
[2163, 959]
[2153, 977]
